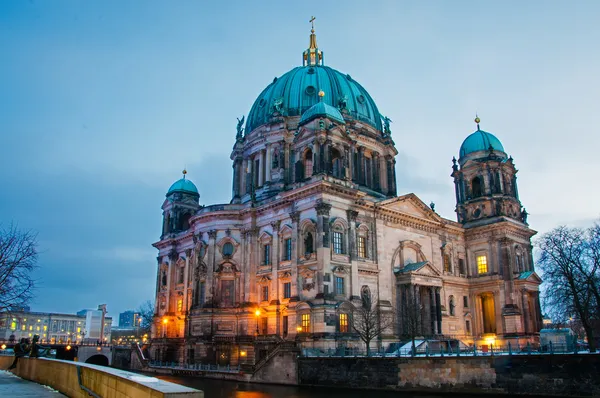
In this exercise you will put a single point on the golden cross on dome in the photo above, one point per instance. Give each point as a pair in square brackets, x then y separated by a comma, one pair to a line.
[312, 24]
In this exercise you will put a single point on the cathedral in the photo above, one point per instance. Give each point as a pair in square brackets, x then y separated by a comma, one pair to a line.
[316, 229]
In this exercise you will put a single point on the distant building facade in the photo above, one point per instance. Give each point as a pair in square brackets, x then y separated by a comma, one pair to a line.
[129, 319]
[315, 228]
[51, 327]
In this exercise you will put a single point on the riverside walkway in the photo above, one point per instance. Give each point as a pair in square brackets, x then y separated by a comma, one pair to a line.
[14, 386]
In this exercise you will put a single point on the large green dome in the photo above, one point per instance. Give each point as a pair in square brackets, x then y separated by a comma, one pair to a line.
[297, 90]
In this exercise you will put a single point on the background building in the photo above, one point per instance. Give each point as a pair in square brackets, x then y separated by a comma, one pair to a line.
[51, 327]
[315, 229]
[129, 319]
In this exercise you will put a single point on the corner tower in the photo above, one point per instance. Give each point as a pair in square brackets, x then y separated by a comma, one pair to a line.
[485, 180]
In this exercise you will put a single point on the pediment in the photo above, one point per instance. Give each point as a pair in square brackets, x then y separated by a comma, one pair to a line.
[410, 204]
[530, 276]
[429, 270]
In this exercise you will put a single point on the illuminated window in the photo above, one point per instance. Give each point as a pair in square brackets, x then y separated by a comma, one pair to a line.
[13, 325]
[23, 327]
[305, 323]
[447, 263]
[343, 323]
[362, 246]
[180, 305]
[482, 266]
[338, 246]
[287, 255]
[287, 290]
[37, 328]
[78, 330]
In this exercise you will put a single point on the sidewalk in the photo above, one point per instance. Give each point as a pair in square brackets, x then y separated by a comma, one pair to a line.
[13, 386]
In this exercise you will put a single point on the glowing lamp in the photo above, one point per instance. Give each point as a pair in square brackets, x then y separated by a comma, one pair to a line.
[3, 346]
[68, 348]
[257, 313]
[299, 329]
[242, 353]
[98, 348]
[165, 321]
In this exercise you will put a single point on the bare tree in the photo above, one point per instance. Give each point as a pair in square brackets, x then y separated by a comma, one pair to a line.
[146, 311]
[18, 259]
[569, 260]
[369, 322]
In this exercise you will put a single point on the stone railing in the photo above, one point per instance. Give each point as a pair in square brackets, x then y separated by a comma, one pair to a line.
[75, 379]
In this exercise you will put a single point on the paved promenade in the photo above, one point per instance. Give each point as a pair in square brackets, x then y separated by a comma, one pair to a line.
[13, 386]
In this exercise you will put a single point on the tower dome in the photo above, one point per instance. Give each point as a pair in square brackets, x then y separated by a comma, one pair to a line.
[295, 92]
[183, 185]
[480, 141]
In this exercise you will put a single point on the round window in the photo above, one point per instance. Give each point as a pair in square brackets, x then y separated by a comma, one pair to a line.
[311, 71]
[477, 213]
[262, 102]
[360, 99]
[310, 90]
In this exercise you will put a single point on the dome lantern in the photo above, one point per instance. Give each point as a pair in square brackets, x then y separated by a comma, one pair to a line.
[312, 56]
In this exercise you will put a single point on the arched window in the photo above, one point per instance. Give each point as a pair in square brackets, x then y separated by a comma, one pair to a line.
[447, 264]
[308, 163]
[336, 164]
[308, 243]
[451, 305]
[476, 187]
[184, 222]
[227, 249]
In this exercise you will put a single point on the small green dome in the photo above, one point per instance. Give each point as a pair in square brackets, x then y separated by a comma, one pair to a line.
[321, 109]
[184, 186]
[480, 141]
[296, 91]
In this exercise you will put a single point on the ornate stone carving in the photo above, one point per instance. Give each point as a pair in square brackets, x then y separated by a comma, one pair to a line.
[212, 234]
[200, 272]
[275, 225]
[339, 269]
[351, 214]
[323, 208]
[228, 232]
[295, 216]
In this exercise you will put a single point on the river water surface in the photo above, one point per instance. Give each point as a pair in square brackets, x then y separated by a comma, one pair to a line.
[229, 389]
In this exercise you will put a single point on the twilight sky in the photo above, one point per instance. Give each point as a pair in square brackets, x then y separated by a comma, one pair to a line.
[103, 103]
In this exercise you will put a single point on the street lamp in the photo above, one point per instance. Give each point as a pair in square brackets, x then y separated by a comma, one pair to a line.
[257, 313]
[165, 327]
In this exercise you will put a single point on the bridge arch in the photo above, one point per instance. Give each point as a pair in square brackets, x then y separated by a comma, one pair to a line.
[98, 359]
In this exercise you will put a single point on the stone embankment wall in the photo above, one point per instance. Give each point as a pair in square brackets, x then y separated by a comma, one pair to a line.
[73, 378]
[577, 375]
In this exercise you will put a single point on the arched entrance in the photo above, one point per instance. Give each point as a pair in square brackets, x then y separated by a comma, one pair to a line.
[98, 359]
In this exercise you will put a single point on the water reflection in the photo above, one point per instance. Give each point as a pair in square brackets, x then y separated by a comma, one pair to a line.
[230, 389]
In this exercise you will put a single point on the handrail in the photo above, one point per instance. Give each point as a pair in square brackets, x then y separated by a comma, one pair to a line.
[84, 388]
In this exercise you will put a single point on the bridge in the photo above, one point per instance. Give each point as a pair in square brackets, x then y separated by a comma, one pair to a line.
[75, 379]
[87, 353]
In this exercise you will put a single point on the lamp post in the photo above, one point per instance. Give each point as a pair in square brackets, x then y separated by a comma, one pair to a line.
[165, 327]
[257, 313]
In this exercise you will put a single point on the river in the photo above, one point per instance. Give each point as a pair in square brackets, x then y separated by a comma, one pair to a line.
[230, 389]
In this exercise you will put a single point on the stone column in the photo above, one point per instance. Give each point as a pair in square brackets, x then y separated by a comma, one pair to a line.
[210, 272]
[287, 164]
[243, 177]
[360, 172]
[417, 301]
[295, 216]
[538, 312]
[245, 267]
[186, 277]
[260, 168]
[352, 162]
[354, 285]
[316, 157]
[395, 190]
[438, 307]
[254, 260]
[268, 163]
[322, 241]
[432, 311]
[376, 172]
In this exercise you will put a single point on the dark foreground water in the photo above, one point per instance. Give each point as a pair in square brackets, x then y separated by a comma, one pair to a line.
[230, 389]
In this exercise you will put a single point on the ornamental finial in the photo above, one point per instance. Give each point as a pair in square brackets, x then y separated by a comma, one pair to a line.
[184, 173]
[321, 94]
[312, 56]
[477, 120]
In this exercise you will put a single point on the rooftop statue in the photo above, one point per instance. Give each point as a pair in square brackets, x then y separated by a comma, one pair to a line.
[240, 128]
[386, 124]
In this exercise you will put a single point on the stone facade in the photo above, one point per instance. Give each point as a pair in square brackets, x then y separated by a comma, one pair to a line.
[315, 229]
